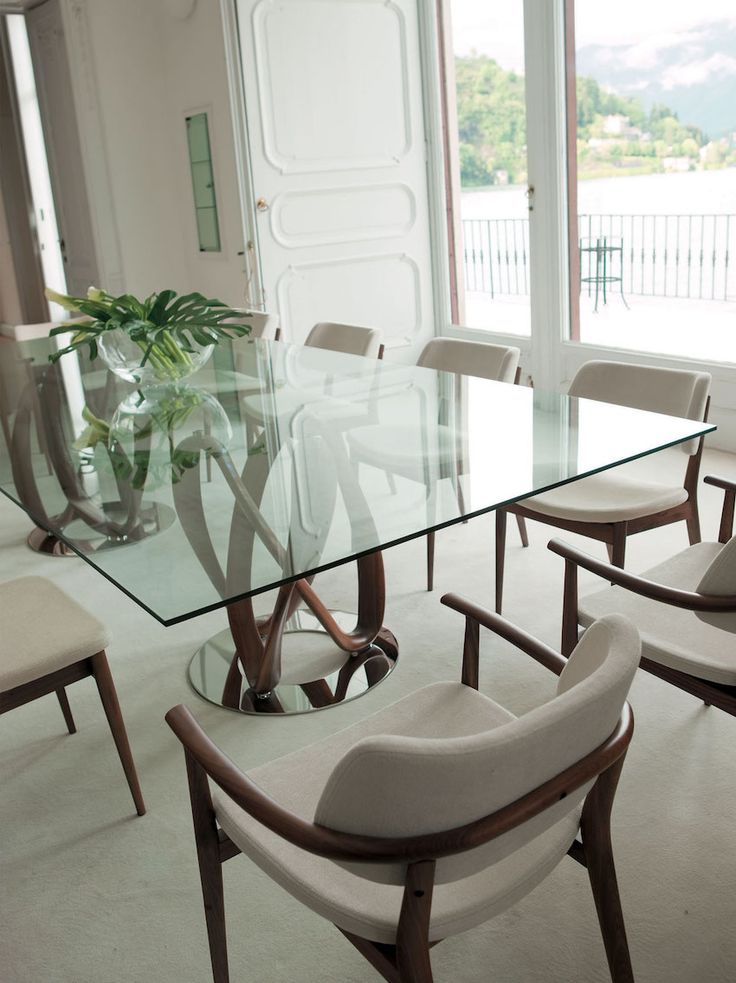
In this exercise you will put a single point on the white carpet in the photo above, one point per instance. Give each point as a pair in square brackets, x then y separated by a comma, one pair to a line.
[91, 894]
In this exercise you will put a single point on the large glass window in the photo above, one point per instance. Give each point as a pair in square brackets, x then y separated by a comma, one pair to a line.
[486, 57]
[656, 166]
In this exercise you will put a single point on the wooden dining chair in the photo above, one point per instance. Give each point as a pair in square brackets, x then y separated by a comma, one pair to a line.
[685, 609]
[434, 814]
[615, 504]
[47, 642]
[351, 339]
[397, 451]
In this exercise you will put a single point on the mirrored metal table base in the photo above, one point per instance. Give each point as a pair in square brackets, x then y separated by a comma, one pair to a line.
[154, 518]
[316, 674]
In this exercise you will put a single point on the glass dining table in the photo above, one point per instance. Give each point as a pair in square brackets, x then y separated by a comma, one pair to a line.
[253, 476]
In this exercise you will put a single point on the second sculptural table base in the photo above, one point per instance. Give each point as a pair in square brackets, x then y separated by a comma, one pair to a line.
[153, 518]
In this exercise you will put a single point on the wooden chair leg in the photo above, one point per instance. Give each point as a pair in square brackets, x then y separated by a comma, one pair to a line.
[109, 698]
[500, 555]
[521, 523]
[66, 710]
[618, 549]
[596, 837]
[412, 938]
[430, 561]
[693, 524]
[210, 868]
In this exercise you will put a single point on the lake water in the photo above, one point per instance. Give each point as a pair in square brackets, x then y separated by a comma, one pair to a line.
[655, 253]
[693, 193]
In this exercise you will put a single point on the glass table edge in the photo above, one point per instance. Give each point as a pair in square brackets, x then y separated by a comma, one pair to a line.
[699, 431]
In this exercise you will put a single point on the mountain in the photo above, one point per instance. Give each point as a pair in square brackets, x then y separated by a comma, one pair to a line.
[693, 72]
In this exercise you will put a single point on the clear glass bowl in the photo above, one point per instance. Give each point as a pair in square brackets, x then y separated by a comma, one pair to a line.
[157, 435]
[167, 361]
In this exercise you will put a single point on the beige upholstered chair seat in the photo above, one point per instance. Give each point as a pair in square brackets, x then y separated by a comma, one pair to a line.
[43, 629]
[609, 497]
[691, 643]
[355, 903]
[400, 449]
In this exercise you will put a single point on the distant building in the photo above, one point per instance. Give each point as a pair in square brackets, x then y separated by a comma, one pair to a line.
[616, 125]
[676, 164]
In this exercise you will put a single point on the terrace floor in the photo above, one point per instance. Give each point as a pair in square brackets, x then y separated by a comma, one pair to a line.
[702, 329]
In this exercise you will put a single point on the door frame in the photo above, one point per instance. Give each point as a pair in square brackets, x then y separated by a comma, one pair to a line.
[241, 143]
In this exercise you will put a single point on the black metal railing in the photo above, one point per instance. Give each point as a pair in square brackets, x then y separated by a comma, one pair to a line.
[660, 255]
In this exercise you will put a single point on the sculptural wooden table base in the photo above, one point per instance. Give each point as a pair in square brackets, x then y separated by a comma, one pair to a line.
[300, 658]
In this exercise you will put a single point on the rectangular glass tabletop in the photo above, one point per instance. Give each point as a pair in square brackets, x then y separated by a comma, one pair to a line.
[276, 461]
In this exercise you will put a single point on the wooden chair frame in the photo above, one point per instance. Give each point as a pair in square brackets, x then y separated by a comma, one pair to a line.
[715, 694]
[407, 961]
[613, 534]
[55, 682]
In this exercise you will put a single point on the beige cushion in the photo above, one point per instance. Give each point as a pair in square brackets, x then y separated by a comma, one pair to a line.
[607, 497]
[348, 338]
[354, 903]
[440, 758]
[676, 392]
[698, 644]
[720, 577]
[615, 496]
[476, 358]
[402, 449]
[43, 629]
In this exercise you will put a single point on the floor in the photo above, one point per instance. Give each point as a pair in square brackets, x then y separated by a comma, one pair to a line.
[91, 894]
[648, 324]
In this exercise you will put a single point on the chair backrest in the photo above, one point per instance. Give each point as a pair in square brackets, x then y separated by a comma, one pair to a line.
[720, 577]
[476, 358]
[720, 580]
[348, 338]
[391, 785]
[262, 324]
[677, 392]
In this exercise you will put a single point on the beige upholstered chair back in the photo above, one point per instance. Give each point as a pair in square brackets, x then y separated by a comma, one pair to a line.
[720, 580]
[392, 785]
[676, 392]
[347, 338]
[471, 358]
[720, 577]
[262, 324]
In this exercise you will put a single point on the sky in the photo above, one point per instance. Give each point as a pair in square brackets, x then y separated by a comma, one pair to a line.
[495, 27]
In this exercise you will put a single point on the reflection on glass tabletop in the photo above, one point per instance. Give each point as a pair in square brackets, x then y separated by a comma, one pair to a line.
[276, 461]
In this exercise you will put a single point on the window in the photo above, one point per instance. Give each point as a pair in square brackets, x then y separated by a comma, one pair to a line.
[203, 183]
[656, 169]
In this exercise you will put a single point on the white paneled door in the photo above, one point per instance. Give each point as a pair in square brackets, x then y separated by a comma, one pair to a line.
[333, 92]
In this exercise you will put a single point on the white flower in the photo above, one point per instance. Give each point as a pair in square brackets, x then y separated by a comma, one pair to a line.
[94, 293]
[61, 299]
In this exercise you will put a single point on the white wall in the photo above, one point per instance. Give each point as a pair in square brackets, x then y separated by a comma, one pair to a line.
[149, 69]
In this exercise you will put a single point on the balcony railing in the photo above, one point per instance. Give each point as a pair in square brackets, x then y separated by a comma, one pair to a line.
[660, 255]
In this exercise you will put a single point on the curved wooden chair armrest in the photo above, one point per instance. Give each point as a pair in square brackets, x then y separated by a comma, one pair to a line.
[640, 585]
[724, 483]
[725, 530]
[336, 845]
[528, 644]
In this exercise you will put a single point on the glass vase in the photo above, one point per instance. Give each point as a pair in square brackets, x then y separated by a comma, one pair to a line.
[161, 363]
